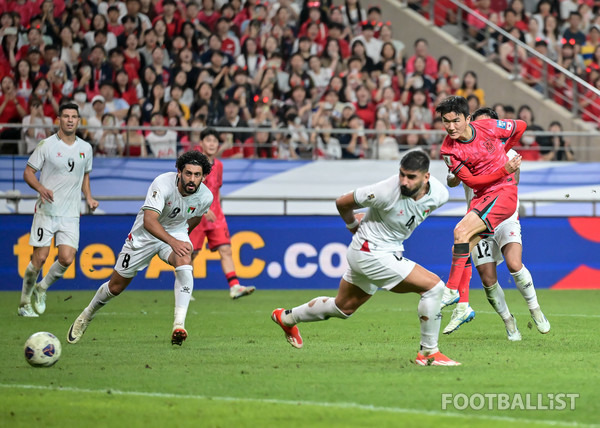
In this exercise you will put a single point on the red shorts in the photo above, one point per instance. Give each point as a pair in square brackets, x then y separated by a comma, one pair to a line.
[216, 237]
[495, 207]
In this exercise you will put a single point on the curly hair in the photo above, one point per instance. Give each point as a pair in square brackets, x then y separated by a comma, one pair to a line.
[194, 157]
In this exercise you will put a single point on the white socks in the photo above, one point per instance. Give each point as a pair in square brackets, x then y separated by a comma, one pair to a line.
[524, 283]
[55, 273]
[184, 285]
[318, 309]
[29, 278]
[101, 298]
[430, 318]
[495, 296]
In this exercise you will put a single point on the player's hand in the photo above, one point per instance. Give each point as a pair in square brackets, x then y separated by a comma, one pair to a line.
[513, 164]
[210, 216]
[47, 195]
[92, 204]
[181, 248]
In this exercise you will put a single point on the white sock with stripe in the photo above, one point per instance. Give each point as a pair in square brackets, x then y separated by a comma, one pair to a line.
[495, 296]
[430, 318]
[184, 285]
[318, 309]
[524, 283]
[29, 278]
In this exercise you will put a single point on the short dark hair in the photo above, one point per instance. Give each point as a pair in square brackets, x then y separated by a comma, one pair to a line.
[194, 157]
[484, 111]
[453, 104]
[209, 131]
[68, 106]
[415, 160]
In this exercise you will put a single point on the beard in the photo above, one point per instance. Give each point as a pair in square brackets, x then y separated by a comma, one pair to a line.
[407, 191]
[189, 187]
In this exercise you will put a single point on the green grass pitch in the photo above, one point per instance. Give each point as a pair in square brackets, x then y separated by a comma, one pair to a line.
[237, 370]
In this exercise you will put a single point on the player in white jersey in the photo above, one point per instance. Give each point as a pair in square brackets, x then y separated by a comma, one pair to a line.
[504, 244]
[174, 205]
[396, 206]
[64, 162]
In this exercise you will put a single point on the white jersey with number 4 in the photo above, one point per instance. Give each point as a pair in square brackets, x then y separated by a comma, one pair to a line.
[62, 169]
[174, 210]
[392, 217]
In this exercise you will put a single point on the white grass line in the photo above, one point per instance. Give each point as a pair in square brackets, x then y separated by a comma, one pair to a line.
[354, 406]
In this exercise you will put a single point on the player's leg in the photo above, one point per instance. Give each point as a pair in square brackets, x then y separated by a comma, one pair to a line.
[355, 289]
[111, 288]
[183, 287]
[66, 255]
[495, 295]
[430, 287]
[465, 238]
[43, 229]
[236, 290]
[219, 240]
[38, 258]
[129, 262]
[513, 252]
[349, 298]
[67, 241]
[463, 313]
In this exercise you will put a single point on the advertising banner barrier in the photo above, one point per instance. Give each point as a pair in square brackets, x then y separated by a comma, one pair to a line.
[305, 252]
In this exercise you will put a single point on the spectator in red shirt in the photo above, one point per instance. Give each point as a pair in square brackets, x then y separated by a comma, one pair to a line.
[171, 18]
[528, 148]
[365, 109]
[208, 16]
[535, 72]
[422, 49]
[336, 32]
[12, 110]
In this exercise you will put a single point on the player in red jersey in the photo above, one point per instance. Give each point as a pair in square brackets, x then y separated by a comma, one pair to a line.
[476, 153]
[214, 225]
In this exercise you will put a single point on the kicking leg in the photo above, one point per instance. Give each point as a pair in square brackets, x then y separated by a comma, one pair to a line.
[103, 295]
[347, 301]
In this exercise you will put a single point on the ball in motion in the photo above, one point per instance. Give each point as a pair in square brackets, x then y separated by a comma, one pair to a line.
[42, 349]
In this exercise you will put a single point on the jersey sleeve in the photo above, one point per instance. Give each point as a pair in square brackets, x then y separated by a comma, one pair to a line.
[480, 180]
[36, 160]
[89, 159]
[510, 131]
[375, 195]
[155, 198]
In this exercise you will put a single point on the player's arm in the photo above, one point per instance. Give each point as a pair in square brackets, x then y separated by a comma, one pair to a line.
[452, 180]
[87, 192]
[480, 180]
[193, 222]
[153, 226]
[47, 195]
[520, 128]
[346, 205]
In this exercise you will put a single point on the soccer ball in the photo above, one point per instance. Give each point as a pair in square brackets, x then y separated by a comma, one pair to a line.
[42, 349]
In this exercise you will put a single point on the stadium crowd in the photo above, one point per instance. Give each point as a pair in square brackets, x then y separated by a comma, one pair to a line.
[296, 71]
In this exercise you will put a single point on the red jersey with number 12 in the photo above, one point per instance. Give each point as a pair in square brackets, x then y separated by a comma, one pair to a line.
[484, 153]
[214, 181]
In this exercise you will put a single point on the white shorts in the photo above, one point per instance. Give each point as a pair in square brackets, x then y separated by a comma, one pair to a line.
[489, 250]
[132, 260]
[65, 230]
[372, 270]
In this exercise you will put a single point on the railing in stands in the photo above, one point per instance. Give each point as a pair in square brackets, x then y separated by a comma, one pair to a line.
[532, 204]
